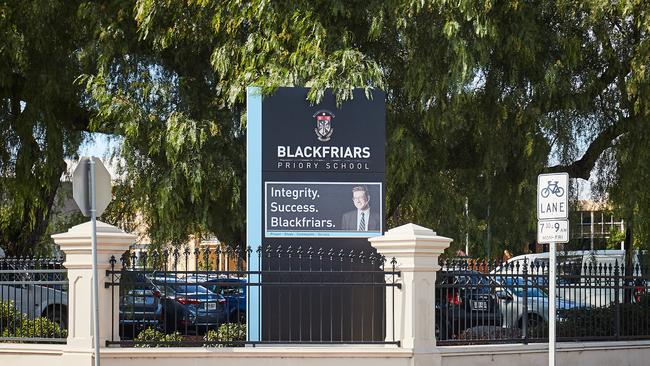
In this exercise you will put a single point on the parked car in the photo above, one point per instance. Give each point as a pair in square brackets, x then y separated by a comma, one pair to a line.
[234, 291]
[35, 293]
[190, 306]
[464, 299]
[169, 304]
[583, 276]
[535, 304]
[141, 304]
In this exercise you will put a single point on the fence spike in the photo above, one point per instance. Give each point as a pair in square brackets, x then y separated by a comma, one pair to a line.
[278, 250]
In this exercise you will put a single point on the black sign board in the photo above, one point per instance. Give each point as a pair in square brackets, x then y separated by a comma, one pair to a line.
[322, 186]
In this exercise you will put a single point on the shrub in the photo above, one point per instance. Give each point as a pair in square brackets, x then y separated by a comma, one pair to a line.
[39, 328]
[229, 332]
[586, 322]
[601, 322]
[485, 332]
[13, 323]
[152, 335]
[10, 318]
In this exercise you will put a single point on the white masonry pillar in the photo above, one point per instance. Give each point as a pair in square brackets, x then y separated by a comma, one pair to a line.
[416, 250]
[77, 246]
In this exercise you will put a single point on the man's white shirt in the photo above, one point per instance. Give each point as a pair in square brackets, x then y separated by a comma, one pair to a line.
[366, 215]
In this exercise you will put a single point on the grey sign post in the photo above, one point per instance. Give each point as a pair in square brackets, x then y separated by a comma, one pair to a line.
[91, 189]
[552, 215]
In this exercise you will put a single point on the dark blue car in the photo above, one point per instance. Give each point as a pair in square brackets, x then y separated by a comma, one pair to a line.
[234, 291]
[195, 308]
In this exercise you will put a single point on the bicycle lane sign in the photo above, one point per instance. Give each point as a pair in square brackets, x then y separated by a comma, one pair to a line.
[552, 196]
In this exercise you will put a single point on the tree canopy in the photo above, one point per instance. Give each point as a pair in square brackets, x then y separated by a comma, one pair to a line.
[481, 97]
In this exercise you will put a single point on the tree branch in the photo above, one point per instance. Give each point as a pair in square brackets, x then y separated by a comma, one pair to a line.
[582, 167]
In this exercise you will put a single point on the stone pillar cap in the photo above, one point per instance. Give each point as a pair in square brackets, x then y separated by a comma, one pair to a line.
[410, 232]
[82, 233]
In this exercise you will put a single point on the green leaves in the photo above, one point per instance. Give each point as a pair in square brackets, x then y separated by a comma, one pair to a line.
[479, 95]
[41, 121]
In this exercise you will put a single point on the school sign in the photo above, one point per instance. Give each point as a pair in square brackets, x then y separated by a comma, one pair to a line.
[315, 174]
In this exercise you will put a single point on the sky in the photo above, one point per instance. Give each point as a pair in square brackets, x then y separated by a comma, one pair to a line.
[99, 145]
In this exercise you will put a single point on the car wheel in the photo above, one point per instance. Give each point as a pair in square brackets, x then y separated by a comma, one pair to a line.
[58, 315]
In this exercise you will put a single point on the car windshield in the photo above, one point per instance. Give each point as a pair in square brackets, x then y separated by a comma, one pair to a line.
[515, 285]
[532, 292]
[183, 288]
[472, 281]
[186, 288]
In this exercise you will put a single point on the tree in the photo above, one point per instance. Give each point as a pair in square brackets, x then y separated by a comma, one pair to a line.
[503, 85]
[482, 96]
[176, 92]
[41, 118]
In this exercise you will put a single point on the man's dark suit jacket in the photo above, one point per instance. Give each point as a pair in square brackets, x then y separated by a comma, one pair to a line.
[349, 221]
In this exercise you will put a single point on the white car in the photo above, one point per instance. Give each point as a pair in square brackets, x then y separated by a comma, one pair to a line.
[35, 292]
[517, 300]
[584, 277]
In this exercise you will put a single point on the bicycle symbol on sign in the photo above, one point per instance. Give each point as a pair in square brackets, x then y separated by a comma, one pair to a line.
[553, 188]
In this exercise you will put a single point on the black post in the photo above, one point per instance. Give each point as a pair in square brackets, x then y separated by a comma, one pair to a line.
[524, 325]
[112, 262]
[617, 302]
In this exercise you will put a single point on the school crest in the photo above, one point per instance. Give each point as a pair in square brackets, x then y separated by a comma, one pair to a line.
[324, 128]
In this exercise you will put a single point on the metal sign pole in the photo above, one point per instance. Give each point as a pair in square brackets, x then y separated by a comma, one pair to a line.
[553, 228]
[551, 304]
[467, 228]
[93, 219]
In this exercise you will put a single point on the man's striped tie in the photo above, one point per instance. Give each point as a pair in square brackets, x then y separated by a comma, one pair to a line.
[362, 223]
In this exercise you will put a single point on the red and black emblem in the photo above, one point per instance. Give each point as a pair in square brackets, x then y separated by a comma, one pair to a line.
[324, 128]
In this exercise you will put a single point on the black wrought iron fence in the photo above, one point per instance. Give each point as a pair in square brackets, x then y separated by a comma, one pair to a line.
[288, 295]
[33, 300]
[482, 302]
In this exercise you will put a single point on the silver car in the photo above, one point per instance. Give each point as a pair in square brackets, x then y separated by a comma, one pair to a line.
[36, 292]
[511, 297]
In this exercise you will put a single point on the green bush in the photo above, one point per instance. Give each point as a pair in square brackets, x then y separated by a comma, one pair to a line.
[485, 332]
[152, 335]
[39, 328]
[586, 322]
[229, 332]
[601, 322]
[10, 318]
[13, 323]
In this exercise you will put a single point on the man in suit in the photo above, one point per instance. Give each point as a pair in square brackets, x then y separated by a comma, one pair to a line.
[361, 219]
